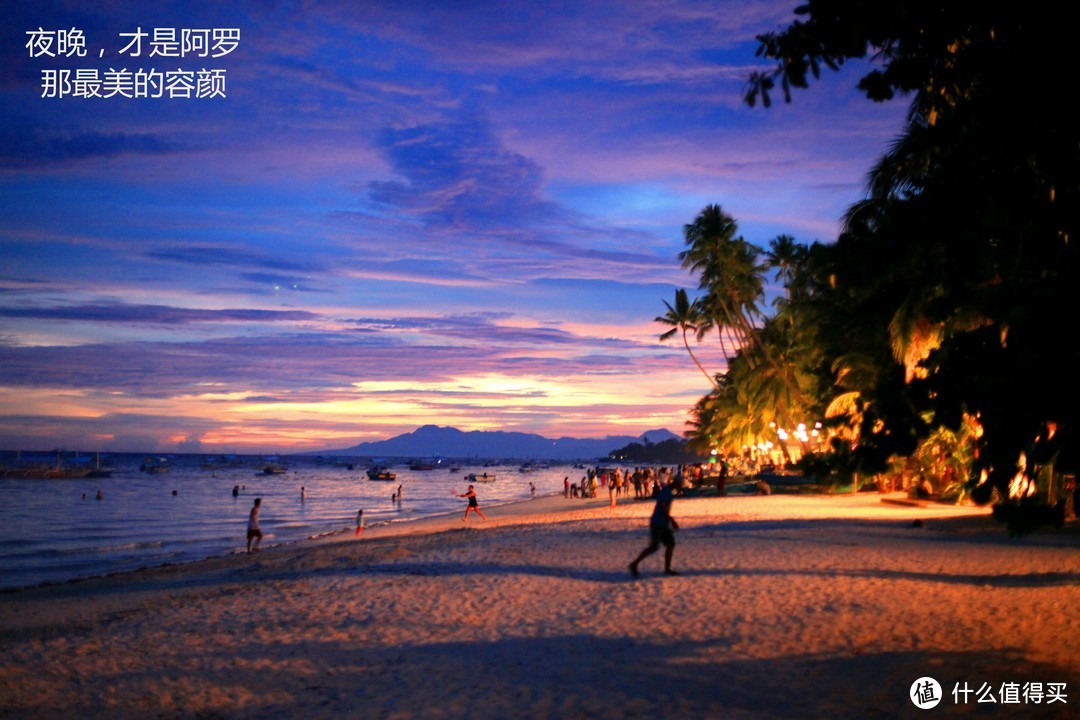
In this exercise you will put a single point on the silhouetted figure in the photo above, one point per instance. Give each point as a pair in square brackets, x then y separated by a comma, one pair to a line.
[253, 531]
[473, 505]
[662, 529]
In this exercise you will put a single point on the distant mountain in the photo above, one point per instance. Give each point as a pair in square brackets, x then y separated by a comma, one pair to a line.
[432, 441]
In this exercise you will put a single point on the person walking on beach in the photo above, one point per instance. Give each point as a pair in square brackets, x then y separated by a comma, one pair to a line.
[473, 505]
[253, 531]
[662, 529]
[359, 522]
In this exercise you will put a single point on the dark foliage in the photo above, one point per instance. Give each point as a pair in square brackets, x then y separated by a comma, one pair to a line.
[972, 217]
[668, 452]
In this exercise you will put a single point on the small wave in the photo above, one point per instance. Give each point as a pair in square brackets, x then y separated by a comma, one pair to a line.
[138, 545]
[139, 522]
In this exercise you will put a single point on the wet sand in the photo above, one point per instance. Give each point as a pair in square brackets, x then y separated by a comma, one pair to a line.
[787, 607]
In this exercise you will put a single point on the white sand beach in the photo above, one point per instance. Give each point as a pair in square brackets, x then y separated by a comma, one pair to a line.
[787, 607]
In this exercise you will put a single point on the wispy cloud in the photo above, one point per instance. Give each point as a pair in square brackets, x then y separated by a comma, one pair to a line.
[407, 212]
[154, 314]
[28, 147]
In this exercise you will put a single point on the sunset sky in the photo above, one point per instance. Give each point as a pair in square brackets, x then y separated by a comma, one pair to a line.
[400, 213]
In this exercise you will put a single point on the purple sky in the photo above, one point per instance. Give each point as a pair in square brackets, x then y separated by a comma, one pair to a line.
[400, 213]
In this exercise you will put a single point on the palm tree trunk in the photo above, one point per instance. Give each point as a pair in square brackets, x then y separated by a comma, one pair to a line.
[712, 380]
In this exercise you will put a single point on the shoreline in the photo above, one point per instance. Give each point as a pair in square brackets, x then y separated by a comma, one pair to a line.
[787, 606]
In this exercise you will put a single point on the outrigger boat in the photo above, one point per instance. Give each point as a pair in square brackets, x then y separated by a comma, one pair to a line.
[39, 470]
[156, 466]
[380, 473]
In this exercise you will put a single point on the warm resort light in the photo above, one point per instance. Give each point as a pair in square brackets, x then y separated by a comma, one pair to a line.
[800, 433]
[1021, 486]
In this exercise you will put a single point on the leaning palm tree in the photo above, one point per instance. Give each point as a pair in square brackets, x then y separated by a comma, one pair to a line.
[684, 316]
[728, 272]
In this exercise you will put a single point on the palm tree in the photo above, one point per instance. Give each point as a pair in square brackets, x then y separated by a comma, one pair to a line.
[684, 316]
[731, 275]
[726, 267]
[785, 256]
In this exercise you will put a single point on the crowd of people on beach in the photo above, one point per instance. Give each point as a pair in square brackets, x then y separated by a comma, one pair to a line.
[644, 482]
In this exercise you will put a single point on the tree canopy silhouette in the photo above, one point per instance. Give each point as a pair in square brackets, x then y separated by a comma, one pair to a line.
[963, 252]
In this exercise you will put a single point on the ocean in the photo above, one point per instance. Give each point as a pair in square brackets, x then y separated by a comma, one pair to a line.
[56, 530]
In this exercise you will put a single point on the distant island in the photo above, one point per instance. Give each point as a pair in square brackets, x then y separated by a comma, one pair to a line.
[448, 442]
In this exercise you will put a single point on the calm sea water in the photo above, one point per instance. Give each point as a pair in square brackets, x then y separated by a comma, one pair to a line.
[56, 530]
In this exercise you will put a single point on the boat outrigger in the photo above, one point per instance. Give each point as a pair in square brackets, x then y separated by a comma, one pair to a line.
[380, 473]
[40, 468]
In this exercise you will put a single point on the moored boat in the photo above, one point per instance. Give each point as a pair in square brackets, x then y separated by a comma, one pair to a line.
[784, 478]
[98, 471]
[45, 473]
[155, 466]
[40, 468]
[380, 473]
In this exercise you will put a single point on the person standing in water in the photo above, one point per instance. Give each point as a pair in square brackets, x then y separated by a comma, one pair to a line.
[359, 522]
[253, 531]
[662, 529]
[473, 505]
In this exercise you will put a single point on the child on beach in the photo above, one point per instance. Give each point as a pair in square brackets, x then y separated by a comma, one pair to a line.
[473, 505]
[253, 532]
[359, 522]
